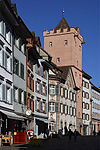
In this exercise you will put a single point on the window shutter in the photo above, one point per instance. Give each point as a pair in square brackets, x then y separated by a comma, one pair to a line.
[56, 107]
[41, 106]
[35, 105]
[35, 86]
[60, 108]
[3, 92]
[41, 88]
[10, 64]
[57, 89]
[60, 90]
[25, 98]
[41, 70]
[47, 107]
[11, 96]
[46, 90]
[63, 92]
[5, 60]
[19, 96]
[2, 58]
[14, 94]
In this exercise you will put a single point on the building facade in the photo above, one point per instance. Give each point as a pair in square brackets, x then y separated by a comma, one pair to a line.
[37, 87]
[64, 44]
[62, 100]
[13, 34]
[95, 96]
[86, 104]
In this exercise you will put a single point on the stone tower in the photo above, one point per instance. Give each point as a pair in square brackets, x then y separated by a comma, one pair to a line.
[64, 44]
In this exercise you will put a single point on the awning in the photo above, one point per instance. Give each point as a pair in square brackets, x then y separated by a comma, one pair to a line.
[12, 115]
[42, 119]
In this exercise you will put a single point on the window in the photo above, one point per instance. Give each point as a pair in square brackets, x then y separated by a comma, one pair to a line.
[8, 94]
[51, 126]
[61, 108]
[70, 95]
[52, 89]
[83, 116]
[87, 106]
[0, 91]
[61, 90]
[43, 106]
[72, 111]
[66, 93]
[83, 105]
[83, 94]
[22, 97]
[58, 59]
[16, 94]
[8, 63]
[66, 42]
[16, 66]
[87, 117]
[0, 55]
[52, 106]
[22, 71]
[87, 95]
[50, 44]
[1, 27]
[8, 35]
[87, 85]
[43, 88]
[65, 109]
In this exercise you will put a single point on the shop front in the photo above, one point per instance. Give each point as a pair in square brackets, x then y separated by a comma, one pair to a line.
[41, 125]
[9, 124]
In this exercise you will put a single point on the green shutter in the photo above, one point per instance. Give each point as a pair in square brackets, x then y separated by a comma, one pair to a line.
[19, 96]
[25, 98]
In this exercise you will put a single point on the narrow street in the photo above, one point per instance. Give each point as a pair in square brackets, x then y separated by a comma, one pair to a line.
[82, 143]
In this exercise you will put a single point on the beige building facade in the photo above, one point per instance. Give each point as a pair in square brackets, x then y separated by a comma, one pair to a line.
[62, 100]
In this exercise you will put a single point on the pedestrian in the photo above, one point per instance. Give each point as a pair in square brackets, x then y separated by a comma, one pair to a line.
[47, 132]
[65, 128]
[70, 134]
[75, 135]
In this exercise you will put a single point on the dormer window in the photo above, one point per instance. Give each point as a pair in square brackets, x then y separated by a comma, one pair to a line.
[66, 42]
[50, 44]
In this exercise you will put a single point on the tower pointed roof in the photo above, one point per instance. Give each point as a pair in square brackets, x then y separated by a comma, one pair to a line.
[62, 24]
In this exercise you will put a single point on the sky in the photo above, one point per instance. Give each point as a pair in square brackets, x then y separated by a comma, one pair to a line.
[39, 15]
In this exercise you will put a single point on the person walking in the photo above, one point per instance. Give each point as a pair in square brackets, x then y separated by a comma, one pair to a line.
[47, 132]
[65, 128]
[70, 134]
[75, 135]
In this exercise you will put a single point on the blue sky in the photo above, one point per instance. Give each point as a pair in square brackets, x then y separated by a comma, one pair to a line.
[39, 15]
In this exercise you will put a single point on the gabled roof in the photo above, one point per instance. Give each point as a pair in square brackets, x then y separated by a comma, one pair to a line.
[65, 70]
[62, 24]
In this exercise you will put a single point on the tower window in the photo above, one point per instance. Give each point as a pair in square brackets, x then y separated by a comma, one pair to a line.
[58, 59]
[66, 42]
[50, 44]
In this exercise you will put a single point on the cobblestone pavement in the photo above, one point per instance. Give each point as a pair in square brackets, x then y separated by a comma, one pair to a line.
[82, 143]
